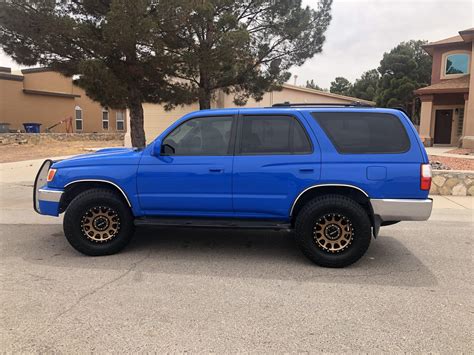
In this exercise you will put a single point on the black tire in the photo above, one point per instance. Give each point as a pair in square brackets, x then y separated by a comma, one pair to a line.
[333, 216]
[115, 212]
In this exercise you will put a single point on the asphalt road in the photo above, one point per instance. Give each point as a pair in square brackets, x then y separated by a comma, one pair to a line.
[232, 291]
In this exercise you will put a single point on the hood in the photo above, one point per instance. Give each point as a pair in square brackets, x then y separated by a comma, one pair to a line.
[107, 156]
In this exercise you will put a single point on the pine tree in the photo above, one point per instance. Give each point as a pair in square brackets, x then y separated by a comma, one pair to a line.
[242, 47]
[113, 45]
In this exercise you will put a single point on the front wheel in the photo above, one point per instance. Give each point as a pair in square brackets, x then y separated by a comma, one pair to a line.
[333, 231]
[97, 222]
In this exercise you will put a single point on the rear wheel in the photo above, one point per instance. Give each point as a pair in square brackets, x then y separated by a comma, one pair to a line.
[98, 222]
[333, 231]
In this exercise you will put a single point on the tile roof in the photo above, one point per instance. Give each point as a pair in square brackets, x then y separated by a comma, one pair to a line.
[447, 86]
[454, 39]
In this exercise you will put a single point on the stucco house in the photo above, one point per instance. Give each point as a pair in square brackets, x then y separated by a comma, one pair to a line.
[40, 95]
[156, 119]
[447, 105]
[43, 96]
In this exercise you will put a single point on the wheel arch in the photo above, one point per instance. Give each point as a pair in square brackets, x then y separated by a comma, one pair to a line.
[351, 191]
[74, 188]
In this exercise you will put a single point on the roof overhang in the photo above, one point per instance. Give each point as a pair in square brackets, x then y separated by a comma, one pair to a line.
[428, 91]
[50, 93]
[467, 35]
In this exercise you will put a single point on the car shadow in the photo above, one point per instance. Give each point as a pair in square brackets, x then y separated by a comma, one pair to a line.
[227, 253]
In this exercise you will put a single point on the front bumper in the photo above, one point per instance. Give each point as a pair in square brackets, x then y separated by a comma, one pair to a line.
[45, 200]
[402, 209]
[48, 201]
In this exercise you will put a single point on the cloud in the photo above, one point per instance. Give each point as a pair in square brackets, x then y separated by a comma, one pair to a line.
[361, 31]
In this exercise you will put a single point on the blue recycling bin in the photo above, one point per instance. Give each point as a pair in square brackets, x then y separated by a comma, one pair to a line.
[32, 127]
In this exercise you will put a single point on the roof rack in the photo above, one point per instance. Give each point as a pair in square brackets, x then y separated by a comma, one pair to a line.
[402, 109]
[304, 104]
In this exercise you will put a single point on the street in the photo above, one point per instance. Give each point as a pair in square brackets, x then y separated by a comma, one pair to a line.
[191, 290]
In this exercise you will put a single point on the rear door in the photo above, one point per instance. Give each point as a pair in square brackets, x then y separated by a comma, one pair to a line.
[275, 160]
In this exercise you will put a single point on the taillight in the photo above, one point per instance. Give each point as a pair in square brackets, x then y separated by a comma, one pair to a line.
[425, 176]
[51, 174]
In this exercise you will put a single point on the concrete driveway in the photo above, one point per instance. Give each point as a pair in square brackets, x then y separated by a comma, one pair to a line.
[228, 291]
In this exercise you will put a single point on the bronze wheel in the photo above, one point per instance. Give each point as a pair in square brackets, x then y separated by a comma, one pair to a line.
[333, 232]
[100, 224]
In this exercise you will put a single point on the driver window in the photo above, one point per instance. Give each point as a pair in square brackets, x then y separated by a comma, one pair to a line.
[200, 136]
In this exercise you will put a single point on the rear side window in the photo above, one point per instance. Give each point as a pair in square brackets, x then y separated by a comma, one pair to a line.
[364, 132]
[267, 135]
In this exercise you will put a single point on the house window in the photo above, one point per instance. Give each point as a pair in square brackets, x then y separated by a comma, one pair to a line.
[78, 119]
[456, 64]
[105, 119]
[120, 121]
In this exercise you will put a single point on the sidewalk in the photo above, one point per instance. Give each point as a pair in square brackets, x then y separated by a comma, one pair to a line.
[16, 191]
[22, 171]
[442, 152]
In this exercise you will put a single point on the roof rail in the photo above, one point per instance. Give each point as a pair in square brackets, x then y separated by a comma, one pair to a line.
[304, 104]
[402, 109]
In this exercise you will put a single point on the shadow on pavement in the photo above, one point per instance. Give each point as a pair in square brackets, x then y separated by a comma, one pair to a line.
[219, 253]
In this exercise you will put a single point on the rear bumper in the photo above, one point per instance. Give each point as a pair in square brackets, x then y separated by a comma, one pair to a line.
[402, 209]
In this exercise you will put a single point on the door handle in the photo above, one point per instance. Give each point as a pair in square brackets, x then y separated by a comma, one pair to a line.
[216, 170]
[307, 170]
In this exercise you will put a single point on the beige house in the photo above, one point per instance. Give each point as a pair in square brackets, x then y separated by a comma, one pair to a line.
[447, 105]
[157, 119]
[43, 96]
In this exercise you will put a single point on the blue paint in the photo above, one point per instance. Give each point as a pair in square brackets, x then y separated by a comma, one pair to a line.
[251, 186]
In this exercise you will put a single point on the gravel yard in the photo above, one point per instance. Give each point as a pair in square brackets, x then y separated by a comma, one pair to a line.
[453, 163]
[461, 151]
[19, 152]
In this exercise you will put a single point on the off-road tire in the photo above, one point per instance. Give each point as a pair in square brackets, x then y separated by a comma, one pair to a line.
[315, 210]
[74, 220]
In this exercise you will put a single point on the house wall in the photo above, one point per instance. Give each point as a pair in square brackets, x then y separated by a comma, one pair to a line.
[468, 133]
[18, 107]
[438, 59]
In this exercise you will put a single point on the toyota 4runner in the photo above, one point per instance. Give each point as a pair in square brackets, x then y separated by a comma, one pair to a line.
[334, 174]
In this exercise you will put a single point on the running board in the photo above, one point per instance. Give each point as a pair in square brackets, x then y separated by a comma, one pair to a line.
[211, 223]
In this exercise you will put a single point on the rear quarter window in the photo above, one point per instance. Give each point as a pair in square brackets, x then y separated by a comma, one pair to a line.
[364, 132]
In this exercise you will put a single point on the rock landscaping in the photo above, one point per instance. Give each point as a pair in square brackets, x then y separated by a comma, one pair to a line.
[456, 183]
[37, 138]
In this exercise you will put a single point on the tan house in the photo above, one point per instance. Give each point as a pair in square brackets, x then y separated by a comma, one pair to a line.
[157, 119]
[43, 96]
[447, 105]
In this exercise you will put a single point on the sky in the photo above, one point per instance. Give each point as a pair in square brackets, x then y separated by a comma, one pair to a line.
[362, 30]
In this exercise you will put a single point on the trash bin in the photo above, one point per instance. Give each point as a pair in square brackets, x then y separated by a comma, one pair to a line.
[4, 127]
[32, 127]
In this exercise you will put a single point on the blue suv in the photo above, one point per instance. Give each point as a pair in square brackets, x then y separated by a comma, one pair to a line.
[334, 174]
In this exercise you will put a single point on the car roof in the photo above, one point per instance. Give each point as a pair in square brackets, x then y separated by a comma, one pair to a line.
[318, 108]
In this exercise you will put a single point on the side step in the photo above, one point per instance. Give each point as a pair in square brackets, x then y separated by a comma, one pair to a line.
[212, 223]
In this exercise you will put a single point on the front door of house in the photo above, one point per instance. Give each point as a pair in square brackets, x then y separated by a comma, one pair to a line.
[443, 123]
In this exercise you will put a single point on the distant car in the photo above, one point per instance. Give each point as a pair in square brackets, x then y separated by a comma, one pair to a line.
[333, 174]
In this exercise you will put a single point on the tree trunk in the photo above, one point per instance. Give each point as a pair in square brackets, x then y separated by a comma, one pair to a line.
[205, 101]
[137, 131]
[205, 93]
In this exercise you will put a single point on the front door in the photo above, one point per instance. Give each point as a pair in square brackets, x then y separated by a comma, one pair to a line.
[193, 175]
[443, 123]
